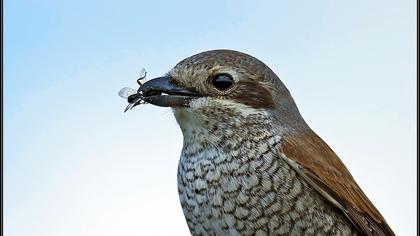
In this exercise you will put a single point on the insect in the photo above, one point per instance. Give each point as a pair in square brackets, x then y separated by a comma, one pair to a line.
[142, 76]
[134, 97]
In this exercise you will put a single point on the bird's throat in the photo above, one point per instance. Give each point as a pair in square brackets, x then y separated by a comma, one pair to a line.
[214, 125]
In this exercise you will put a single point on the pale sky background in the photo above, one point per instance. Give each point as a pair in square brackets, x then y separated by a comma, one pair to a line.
[75, 164]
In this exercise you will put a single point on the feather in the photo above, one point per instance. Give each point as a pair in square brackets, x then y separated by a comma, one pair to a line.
[314, 160]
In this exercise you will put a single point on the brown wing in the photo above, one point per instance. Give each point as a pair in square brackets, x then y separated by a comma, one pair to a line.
[314, 160]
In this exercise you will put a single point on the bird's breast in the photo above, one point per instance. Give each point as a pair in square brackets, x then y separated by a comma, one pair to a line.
[218, 186]
[244, 188]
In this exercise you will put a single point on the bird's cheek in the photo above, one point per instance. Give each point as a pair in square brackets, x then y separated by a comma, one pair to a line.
[201, 103]
[252, 94]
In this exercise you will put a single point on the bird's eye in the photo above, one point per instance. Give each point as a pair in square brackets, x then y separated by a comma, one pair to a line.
[222, 81]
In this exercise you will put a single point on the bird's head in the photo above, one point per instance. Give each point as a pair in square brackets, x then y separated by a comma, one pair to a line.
[222, 88]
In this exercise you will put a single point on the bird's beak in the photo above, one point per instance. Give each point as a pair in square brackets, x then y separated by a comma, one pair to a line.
[162, 92]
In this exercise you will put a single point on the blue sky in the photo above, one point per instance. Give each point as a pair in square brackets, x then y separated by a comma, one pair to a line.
[75, 164]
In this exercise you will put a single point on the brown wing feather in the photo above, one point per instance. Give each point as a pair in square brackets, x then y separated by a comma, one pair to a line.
[320, 166]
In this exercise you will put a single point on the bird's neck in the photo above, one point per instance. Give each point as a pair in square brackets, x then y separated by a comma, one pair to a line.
[217, 130]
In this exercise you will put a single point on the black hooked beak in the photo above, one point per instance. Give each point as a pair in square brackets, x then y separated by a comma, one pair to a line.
[162, 92]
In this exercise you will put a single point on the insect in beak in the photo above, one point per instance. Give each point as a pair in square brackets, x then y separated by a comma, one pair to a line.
[134, 97]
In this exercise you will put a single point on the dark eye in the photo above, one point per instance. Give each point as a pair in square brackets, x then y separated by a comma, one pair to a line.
[222, 81]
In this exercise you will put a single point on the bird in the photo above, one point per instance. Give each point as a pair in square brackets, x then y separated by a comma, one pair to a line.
[250, 164]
